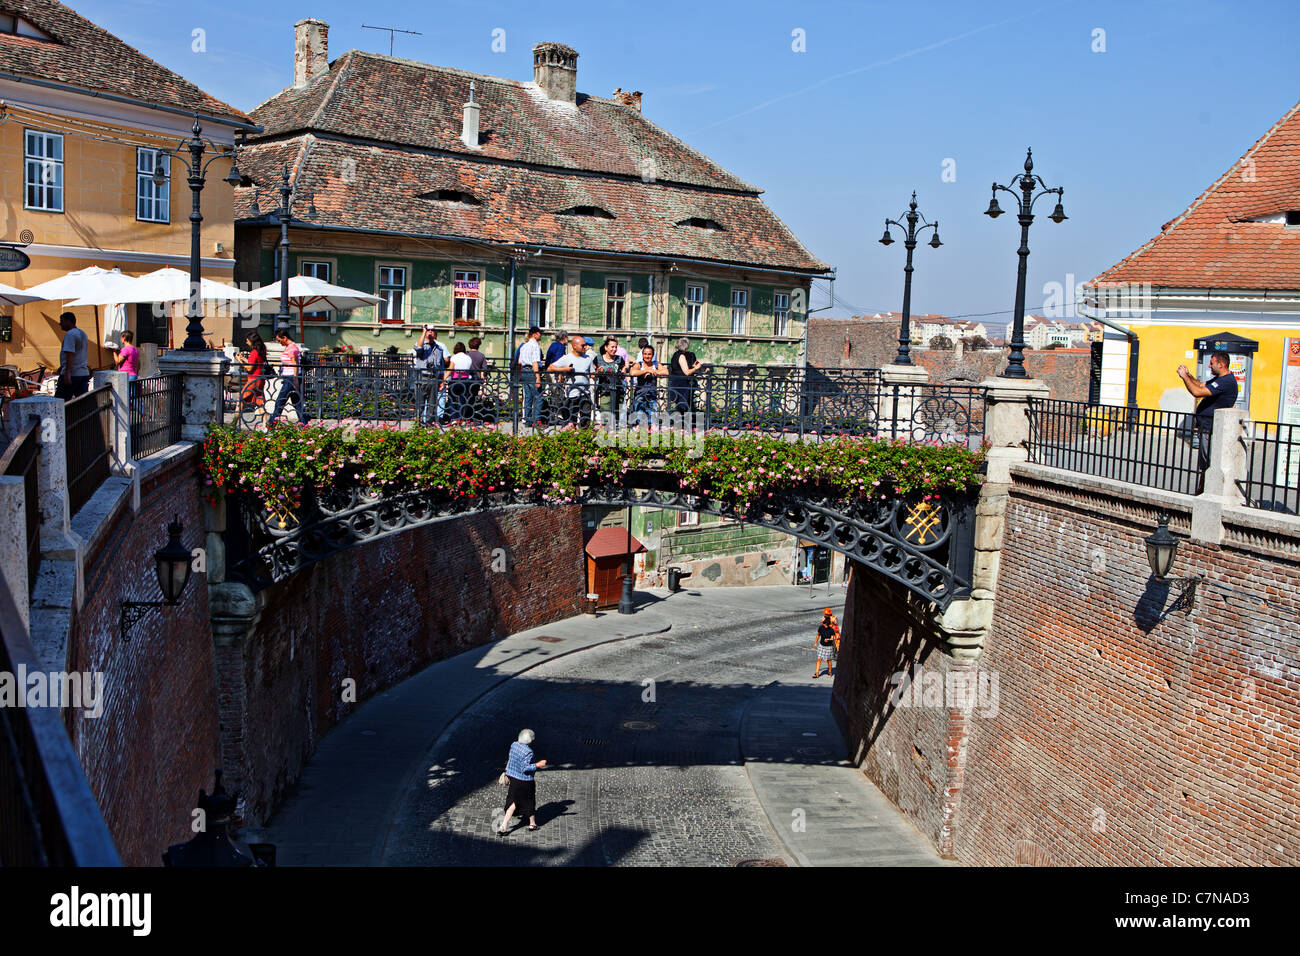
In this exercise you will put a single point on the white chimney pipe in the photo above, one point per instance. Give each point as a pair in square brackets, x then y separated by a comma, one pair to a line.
[469, 130]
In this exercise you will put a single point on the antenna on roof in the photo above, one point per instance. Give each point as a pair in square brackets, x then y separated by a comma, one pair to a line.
[391, 32]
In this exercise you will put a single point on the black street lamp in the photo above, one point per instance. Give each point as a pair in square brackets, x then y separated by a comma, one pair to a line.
[172, 564]
[284, 214]
[904, 356]
[1025, 207]
[629, 579]
[197, 168]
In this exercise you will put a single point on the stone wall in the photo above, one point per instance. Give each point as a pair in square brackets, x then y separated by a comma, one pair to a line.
[376, 614]
[873, 343]
[156, 742]
[1117, 720]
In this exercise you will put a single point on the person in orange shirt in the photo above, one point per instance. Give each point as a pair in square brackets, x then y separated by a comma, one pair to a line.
[827, 644]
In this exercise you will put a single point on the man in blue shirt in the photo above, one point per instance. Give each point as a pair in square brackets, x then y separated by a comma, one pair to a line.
[1220, 391]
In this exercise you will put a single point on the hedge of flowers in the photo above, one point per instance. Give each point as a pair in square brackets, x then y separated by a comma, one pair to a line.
[281, 465]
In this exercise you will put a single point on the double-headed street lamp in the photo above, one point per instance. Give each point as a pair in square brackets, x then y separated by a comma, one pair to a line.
[284, 213]
[904, 356]
[1025, 206]
[196, 145]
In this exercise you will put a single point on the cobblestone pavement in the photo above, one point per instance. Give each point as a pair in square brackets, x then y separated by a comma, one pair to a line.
[644, 739]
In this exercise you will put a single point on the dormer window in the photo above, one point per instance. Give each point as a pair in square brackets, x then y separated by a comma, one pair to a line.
[452, 196]
[592, 212]
[696, 222]
[17, 26]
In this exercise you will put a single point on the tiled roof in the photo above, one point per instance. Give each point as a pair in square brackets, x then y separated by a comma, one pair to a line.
[1211, 245]
[88, 57]
[379, 188]
[608, 542]
[369, 96]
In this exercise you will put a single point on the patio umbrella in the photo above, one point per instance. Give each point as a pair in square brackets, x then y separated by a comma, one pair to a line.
[168, 285]
[114, 325]
[90, 281]
[308, 292]
[11, 296]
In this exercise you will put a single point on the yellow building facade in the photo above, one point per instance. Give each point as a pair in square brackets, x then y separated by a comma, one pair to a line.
[76, 188]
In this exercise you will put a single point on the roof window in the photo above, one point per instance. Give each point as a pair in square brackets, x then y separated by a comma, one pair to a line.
[593, 212]
[17, 26]
[697, 222]
[1293, 218]
[451, 195]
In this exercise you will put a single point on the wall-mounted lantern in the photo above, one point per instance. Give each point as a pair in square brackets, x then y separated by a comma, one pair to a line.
[172, 564]
[1161, 548]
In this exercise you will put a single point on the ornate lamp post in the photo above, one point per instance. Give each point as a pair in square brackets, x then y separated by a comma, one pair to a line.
[1025, 207]
[904, 356]
[284, 214]
[197, 168]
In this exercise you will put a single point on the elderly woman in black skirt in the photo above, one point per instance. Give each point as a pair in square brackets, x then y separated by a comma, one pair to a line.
[522, 795]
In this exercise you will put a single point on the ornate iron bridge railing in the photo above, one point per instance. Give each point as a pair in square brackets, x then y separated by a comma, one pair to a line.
[925, 544]
[807, 403]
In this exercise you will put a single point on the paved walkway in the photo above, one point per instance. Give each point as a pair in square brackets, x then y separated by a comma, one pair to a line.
[347, 807]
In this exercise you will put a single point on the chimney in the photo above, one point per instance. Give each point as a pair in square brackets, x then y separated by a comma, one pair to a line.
[555, 70]
[469, 130]
[310, 51]
[624, 98]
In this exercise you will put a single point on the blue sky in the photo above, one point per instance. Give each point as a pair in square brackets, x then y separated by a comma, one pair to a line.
[838, 135]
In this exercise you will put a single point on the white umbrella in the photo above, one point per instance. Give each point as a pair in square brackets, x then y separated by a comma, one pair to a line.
[91, 281]
[308, 292]
[11, 296]
[168, 285]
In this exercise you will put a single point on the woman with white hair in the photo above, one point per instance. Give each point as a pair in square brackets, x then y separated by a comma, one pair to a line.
[522, 795]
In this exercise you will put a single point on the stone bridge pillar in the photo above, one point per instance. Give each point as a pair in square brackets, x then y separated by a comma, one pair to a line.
[899, 414]
[201, 403]
[965, 624]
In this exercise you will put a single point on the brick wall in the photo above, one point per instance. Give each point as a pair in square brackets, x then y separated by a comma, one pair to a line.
[1129, 732]
[873, 343]
[377, 614]
[1125, 731]
[156, 742]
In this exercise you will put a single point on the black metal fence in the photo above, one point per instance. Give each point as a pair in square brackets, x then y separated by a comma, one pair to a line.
[1273, 467]
[1142, 446]
[155, 413]
[781, 399]
[48, 815]
[88, 421]
[19, 461]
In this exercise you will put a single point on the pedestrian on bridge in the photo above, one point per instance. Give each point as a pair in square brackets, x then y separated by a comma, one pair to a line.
[522, 792]
[827, 644]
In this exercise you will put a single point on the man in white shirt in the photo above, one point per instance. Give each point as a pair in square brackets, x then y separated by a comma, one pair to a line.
[529, 371]
[578, 363]
[74, 359]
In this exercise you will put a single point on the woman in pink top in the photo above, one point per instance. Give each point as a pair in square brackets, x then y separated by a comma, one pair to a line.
[128, 357]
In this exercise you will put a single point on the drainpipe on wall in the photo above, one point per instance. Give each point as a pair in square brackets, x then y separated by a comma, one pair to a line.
[510, 326]
[809, 312]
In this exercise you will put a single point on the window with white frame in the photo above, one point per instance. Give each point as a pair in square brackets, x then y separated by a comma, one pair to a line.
[152, 200]
[43, 162]
[392, 294]
[466, 290]
[781, 313]
[615, 303]
[739, 310]
[317, 270]
[540, 291]
[688, 519]
[694, 308]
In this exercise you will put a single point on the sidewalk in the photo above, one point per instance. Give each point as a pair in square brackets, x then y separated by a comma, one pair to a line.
[822, 808]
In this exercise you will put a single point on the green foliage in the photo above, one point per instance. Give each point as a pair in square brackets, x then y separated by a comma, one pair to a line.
[279, 465]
